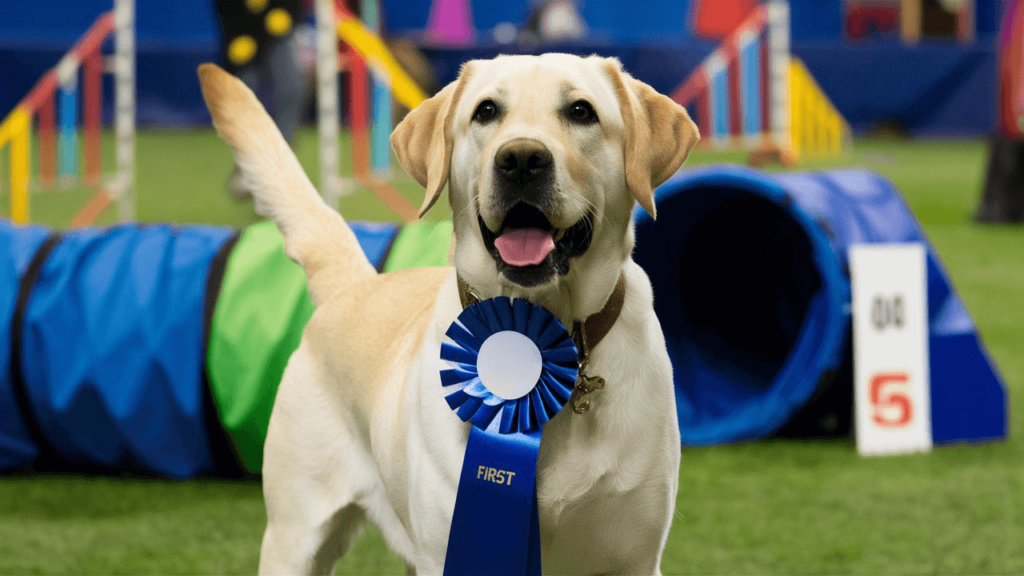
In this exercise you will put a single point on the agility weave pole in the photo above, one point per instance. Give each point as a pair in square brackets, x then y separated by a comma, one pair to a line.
[750, 94]
[374, 78]
[59, 88]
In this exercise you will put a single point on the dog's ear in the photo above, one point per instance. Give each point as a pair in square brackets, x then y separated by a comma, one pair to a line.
[423, 140]
[659, 134]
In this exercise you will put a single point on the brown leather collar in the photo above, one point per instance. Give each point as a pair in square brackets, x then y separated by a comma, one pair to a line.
[593, 329]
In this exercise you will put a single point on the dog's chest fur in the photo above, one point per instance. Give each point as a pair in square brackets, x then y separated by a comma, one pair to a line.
[619, 460]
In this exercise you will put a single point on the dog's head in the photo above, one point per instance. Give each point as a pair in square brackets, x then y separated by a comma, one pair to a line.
[544, 157]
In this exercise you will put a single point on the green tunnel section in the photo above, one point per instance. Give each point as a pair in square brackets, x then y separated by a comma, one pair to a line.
[420, 245]
[262, 309]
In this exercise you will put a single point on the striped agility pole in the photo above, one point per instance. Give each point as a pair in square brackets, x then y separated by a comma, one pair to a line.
[67, 142]
[124, 107]
[328, 119]
[20, 143]
[750, 94]
[375, 80]
[729, 82]
[52, 106]
[381, 121]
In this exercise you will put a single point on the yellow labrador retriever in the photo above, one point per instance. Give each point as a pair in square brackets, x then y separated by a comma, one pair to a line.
[544, 158]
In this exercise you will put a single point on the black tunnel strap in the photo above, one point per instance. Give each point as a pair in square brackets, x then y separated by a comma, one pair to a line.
[387, 251]
[226, 462]
[20, 386]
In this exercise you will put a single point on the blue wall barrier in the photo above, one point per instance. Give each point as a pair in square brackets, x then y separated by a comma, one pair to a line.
[939, 88]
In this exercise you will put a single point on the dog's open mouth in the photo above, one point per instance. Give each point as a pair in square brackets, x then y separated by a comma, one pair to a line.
[529, 251]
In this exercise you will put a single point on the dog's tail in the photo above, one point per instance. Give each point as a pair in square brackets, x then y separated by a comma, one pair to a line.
[315, 236]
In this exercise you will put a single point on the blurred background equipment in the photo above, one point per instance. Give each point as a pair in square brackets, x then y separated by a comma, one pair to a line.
[75, 87]
[1003, 195]
[553, 21]
[941, 85]
[911, 20]
[750, 94]
[716, 19]
[450, 23]
[260, 46]
[345, 44]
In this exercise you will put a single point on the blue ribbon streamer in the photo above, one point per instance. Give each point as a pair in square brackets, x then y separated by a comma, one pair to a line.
[495, 526]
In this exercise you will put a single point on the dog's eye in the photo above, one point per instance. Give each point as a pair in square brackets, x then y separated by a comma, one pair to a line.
[582, 112]
[485, 111]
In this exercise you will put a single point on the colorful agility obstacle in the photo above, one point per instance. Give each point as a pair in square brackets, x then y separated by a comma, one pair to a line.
[758, 327]
[374, 77]
[157, 349]
[815, 126]
[750, 94]
[53, 105]
[181, 380]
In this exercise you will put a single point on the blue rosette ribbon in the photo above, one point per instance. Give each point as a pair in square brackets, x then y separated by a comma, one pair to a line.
[513, 366]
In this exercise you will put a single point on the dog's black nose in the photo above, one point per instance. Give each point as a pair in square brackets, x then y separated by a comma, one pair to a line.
[522, 160]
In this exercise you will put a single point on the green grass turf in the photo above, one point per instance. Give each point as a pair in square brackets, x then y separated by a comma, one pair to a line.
[770, 507]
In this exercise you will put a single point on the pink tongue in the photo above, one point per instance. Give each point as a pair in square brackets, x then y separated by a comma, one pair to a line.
[524, 247]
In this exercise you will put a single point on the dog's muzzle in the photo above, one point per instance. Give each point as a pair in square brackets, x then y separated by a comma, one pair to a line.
[527, 249]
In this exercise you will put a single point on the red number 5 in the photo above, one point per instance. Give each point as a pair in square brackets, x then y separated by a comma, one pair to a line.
[893, 408]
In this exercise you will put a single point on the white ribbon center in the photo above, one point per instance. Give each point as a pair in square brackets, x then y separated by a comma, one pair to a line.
[509, 364]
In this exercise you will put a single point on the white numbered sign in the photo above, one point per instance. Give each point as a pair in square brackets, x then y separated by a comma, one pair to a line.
[890, 348]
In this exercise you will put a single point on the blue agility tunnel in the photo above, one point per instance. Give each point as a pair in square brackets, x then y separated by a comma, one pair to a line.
[106, 350]
[20, 244]
[104, 336]
[752, 289]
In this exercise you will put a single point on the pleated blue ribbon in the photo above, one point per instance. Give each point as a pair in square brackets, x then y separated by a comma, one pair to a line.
[495, 527]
